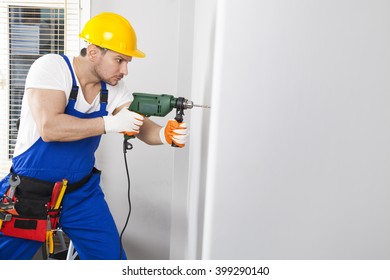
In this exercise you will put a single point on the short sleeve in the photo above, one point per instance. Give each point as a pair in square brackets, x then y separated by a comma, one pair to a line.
[49, 72]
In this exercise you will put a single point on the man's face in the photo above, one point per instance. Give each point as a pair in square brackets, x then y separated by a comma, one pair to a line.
[112, 67]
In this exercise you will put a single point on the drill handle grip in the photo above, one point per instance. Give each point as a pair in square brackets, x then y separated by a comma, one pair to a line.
[129, 135]
[179, 119]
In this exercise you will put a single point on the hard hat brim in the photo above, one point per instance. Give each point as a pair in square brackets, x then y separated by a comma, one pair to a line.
[137, 53]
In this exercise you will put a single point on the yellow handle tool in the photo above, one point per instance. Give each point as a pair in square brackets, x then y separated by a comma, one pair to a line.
[49, 238]
[61, 195]
[49, 232]
[50, 241]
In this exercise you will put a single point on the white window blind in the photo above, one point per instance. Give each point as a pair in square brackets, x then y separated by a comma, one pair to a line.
[28, 30]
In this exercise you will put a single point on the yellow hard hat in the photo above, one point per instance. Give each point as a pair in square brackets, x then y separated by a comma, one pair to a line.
[113, 32]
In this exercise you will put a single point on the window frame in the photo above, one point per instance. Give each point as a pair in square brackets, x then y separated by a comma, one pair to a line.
[77, 12]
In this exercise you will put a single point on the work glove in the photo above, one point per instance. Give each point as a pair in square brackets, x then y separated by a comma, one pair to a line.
[174, 132]
[124, 121]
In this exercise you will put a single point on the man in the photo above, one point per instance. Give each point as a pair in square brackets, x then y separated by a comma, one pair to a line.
[65, 110]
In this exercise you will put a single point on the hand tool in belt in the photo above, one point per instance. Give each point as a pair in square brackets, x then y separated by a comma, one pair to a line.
[61, 195]
[55, 194]
[54, 214]
[7, 203]
[4, 217]
[55, 203]
[49, 238]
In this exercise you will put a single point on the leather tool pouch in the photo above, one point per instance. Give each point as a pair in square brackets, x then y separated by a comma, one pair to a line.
[32, 198]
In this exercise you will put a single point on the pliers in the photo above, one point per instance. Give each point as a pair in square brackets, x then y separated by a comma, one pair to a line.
[49, 238]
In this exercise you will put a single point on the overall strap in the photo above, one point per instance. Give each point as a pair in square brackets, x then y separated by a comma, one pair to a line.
[75, 87]
[103, 96]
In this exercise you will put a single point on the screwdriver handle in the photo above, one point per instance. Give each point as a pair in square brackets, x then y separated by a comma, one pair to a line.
[61, 195]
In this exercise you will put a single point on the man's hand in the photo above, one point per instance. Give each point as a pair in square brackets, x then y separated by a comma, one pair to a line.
[124, 121]
[174, 132]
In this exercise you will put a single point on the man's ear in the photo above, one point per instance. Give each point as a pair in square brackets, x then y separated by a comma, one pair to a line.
[92, 52]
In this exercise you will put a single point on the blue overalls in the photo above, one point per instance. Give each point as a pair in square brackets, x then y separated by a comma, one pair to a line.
[85, 216]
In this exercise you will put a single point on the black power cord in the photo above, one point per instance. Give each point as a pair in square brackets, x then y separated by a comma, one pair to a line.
[126, 147]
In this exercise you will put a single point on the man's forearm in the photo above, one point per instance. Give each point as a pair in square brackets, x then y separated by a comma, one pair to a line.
[65, 128]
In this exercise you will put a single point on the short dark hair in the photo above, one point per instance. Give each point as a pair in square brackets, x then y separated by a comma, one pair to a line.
[83, 51]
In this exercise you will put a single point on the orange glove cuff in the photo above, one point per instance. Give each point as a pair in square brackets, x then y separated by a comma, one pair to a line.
[174, 132]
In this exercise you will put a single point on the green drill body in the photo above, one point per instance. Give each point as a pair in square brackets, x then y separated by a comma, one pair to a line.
[159, 105]
[153, 104]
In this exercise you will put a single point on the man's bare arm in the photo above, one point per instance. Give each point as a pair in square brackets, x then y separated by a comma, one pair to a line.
[48, 107]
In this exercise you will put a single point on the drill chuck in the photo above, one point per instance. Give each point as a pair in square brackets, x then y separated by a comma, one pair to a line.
[188, 104]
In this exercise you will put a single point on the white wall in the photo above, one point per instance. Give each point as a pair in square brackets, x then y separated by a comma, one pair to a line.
[151, 167]
[291, 161]
[298, 162]
[181, 193]
[204, 37]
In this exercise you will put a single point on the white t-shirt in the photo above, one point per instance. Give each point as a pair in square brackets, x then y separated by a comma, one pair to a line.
[50, 71]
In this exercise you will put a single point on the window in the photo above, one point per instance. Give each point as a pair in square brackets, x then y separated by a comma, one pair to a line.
[28, 30]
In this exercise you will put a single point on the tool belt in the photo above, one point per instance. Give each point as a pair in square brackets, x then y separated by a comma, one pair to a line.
[31, 212]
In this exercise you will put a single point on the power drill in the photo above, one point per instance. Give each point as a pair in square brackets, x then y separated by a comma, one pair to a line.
[160, 105]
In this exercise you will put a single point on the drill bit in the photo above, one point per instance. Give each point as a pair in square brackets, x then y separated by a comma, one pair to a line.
[189, 105]
[201, 106]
